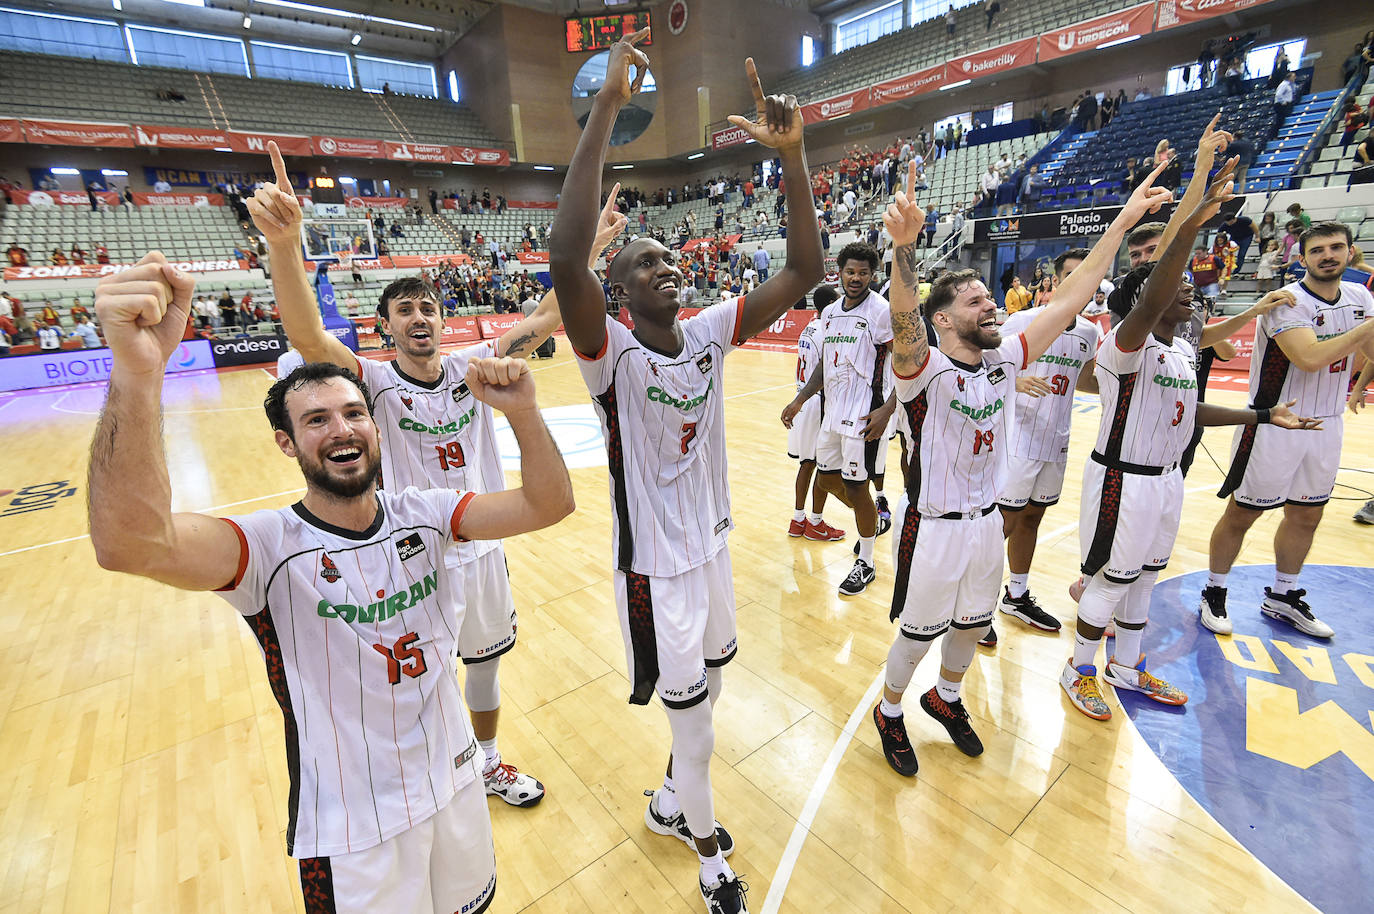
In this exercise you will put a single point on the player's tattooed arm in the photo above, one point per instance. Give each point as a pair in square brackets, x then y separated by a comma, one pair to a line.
[905, 221]
[910, 346]
[581, 298]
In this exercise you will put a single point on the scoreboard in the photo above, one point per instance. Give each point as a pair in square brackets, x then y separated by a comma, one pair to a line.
[598, 33]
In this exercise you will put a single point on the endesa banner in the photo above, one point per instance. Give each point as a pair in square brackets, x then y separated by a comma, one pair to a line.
[922, 81]
[1085, 36]
[178, 199]
[994, 60]
[96, 270]
[257, 143]
[836, 106]
[78, 133]
[78, 366]
[729, 136]
[1182, 12]
[62, 197]
[247, 350]
[180, 137]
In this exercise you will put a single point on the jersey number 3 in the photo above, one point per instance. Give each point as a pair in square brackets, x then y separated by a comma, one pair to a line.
[1178, 414]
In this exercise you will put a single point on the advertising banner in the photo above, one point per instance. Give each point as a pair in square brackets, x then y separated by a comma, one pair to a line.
[1182, 12]
[493, 325]
[349, 147]
[835, 106]
[419, 152]
[247, 350]
[182, 177]
[377, 202]
[178, 199]
[918, 83]
[728, 136]
[533, 256]
[461, 330]
[1244, 341]
[96, 270]
[62, 197]
[78, 133]
[180, 137]
[1085, 36]
[257, 143]
[787, 328]
[1005, 57]
[11, 131]
[532, 204]
[81, 365]
[469, 155]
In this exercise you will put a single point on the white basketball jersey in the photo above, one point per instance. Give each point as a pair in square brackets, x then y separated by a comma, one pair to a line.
[358, 631]
[958, 417]
[854, 355]
[809, 349]
[1041, 429]
[1149, 401]
[663, 416]
[1273, 379]
[437, 436]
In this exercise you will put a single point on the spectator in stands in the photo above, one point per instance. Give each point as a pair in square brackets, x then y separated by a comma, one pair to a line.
[1296, 212]
[1225, 250]
[396, 231]
[48, 315]
[1292, 229]
[1283, 98]
[1242, 147]
[85, 332]
[932, 223]
[161, 186]
[78, 255]
[19, 257]
[102, 253]
[49, 337]
[987, 186]
[950, 21]
[14, 306]
[1098, 305]
[227, 309]
[1280, 72]
[1045, 292]
[1232, 79]
[992, 8]
[79, 310]
[1206, 62]
[1363, 172]
[1268, 230]
[1268, 264]
[1143, 93]
[1031, 186]
[57, 258]
[205, 312]
[1355, 118]
[1018, 296]
[1206, 270]
[1242, 232]
[1086, 113]
[761, 262]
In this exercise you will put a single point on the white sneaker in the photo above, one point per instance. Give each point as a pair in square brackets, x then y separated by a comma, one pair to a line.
[511, 785]
[1211, 612]
[725, 897]
[675, 826]
[1291, 608]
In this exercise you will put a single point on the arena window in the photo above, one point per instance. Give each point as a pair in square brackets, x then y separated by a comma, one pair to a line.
[155, 47]
[1259, 63]
[403, 76]
[72, 36]
[305, 65]
[869, 26]
[808, 54]
[455, 95]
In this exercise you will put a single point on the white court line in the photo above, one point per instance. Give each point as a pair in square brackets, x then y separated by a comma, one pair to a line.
[232, 504]
[750, 393]
[783, 874]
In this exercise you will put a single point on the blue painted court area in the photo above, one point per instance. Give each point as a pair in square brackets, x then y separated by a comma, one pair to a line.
[1275, 741]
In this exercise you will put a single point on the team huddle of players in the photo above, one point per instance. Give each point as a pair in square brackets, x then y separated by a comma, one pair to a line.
[365, 598]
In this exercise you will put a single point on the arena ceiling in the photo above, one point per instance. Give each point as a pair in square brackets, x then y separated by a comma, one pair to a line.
[416, 29]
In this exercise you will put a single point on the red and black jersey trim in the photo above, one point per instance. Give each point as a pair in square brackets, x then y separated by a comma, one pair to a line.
[1123, 408]
[906, 548]
[1273, 373]
[1108, 515]
[265, 630]
[317, 885]
[615, 457]
[639, 609]
[915, 417]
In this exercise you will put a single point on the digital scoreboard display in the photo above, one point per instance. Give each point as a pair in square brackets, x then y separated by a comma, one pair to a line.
[598, 33]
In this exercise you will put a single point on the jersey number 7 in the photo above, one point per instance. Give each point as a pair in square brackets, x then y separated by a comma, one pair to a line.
[689, 431]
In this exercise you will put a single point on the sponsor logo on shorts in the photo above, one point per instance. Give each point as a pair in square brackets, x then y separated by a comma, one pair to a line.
[409, 547]
[497, 647]
[480, 899]
[729, 648]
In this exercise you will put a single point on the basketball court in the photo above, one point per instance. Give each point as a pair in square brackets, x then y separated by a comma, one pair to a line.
[144, 751]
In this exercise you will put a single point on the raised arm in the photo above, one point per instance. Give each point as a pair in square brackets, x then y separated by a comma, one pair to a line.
[778, 124]
[1212, 142]
[143, 312]
[1213, 334]
[1078, 287]
[580, 297]
[545, 495]
[528, 335]
[1161, 288]
[904, 221]
[1308, 353]
[277, 214]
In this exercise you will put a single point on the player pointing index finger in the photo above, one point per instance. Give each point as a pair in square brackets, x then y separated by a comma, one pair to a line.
[279, 167]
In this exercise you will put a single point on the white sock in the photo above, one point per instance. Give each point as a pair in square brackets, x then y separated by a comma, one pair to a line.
[947, 690]
[798, 515]
[1017, 587]
[493, 755]
[712, 868]
[1283, 583]
[866, 549]
[668, 805]
[888, 709]
[814, 518]
[1215, 579]
[1084, 650]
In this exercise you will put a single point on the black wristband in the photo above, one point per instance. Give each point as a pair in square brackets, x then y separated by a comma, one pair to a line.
[1261, 417]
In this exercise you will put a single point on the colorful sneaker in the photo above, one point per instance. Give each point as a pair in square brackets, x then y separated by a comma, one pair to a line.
[726, 896]
[955, 720]
[860, 576]
[1138, 679]
[822, 532]
[517, 789]
[796, 528]
[896, 746]
[1028, 611]
[675, 826]
[1211, 612]
[990, 638]
[1083, 690]
[1291, 608]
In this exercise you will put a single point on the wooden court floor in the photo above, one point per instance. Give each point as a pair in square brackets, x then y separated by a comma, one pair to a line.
[142, 765]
